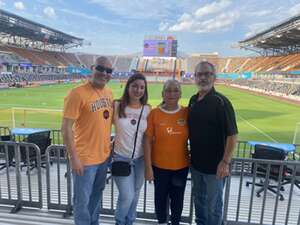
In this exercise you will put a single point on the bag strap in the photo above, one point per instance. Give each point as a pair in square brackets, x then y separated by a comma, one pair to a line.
[136, 133]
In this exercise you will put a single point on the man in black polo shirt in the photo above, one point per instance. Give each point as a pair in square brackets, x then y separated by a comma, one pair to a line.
[213, 135]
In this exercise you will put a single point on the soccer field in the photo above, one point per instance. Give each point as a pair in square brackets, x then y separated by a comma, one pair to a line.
[259, 118]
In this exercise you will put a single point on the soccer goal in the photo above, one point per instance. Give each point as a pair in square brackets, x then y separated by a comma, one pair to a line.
[35, 117]
[296, 139]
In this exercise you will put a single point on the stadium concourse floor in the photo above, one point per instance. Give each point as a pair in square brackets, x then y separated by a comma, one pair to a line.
[38, 217]
[44, 217]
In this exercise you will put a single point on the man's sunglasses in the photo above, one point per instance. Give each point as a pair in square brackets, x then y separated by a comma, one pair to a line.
[101, 69]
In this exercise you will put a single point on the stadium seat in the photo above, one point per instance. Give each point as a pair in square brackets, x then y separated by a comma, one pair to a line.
[264, 152]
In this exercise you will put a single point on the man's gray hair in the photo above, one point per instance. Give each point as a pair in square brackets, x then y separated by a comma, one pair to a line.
[201, 64]
[102, 60]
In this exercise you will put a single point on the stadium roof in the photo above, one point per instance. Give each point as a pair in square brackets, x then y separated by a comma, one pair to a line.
[283, 38]
[12, 25]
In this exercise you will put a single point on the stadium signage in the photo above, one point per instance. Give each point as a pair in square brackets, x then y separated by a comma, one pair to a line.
[25, 64]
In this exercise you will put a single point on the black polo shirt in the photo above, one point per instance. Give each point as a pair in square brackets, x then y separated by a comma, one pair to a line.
[210, 121]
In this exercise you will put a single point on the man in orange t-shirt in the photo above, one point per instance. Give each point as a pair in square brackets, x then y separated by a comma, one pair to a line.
[86, 129]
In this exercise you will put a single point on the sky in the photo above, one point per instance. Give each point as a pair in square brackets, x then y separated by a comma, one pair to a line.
[119, 26]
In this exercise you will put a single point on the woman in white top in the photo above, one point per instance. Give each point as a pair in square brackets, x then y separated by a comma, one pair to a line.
[126, 115]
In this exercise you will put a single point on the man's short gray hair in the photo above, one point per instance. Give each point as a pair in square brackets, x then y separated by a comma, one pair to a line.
[201, 64]
[102, 60]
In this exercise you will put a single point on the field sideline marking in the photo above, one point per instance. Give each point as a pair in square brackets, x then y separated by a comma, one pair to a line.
[256, 128]
[37, 109]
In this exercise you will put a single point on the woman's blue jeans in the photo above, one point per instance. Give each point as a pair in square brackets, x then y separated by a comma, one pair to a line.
[129, 190]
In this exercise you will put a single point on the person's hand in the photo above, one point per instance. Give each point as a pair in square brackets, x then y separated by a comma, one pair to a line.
[223, 169]
[149, 174]
[77, 166]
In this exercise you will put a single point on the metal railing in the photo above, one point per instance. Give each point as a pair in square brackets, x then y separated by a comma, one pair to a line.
[22, 187]
[244, 150]
[59, 184]
[4, 131]
[58, 179]
[244, 204]
[56, 137]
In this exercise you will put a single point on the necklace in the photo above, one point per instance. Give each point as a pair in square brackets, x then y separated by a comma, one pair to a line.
[133, 121]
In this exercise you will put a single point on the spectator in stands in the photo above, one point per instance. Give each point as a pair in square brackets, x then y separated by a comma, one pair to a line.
[213, 135]
[86, 129]
[166, 154]
[130, 120]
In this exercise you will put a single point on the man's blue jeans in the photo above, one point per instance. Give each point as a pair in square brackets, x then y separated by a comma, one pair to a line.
[208, 198]
[88, 194]
[129, 190]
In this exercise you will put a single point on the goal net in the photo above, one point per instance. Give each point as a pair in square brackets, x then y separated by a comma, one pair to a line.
[37, 118]
[296, 139]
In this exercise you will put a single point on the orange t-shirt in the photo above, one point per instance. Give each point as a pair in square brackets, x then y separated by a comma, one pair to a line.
[169, 134]
[92, 111]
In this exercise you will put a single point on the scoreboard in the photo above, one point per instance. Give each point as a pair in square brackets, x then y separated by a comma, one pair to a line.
[160, 46]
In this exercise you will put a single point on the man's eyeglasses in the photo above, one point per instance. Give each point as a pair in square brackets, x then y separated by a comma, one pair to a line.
[205, 74]
[101, 69]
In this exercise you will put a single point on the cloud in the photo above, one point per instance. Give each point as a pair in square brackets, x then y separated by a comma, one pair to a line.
[208, 18]
[163, 26]
[190, 23]
[49, 12]
[88, 17]
[261, 13]
[295, 10]
[256, 28]
[19, 5]
[212, 8]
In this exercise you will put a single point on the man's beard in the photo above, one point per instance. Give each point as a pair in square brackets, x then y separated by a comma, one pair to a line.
[99, 82]
[204, 86]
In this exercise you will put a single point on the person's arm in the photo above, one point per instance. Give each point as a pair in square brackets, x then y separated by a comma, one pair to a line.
[115, 110]
[147, 155]
[223, 167]
[68, 138]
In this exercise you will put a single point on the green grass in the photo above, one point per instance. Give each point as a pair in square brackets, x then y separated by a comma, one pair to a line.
[259, 118]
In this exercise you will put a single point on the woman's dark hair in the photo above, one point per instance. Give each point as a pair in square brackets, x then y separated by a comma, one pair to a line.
[124, 100]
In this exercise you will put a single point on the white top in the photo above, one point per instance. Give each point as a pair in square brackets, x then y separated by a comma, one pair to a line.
[125, 129]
